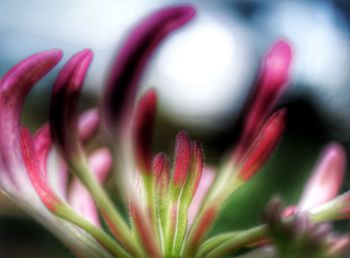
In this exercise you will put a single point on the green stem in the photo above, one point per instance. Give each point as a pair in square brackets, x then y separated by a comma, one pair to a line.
[215, 241]
[242, 239]
[106, 206]
[223, 181]
[162, 203]
[181, 228]
[327, 211]
[161, 209]
[216, 199]
[233, 242]
[68, 214]
[172, 213]
[151, 205]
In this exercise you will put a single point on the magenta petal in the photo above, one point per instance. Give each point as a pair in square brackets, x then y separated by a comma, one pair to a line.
[271, 83]
[326, 179]
[263, 145]
[158, 164]
[57, 176]
[276, 66]
[182, 158]
[42, 145]
[161, 172]
[135, 52]
[14, 87]
[38, 179]
[64, 101]
[196, 165]
[143, 130]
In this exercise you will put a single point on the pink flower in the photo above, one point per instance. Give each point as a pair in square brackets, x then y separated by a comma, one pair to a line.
[326, 179]
[171, 205]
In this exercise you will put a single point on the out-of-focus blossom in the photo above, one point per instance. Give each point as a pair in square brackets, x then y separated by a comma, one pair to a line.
[298, 235]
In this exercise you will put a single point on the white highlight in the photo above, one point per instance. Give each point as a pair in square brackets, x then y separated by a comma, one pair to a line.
[203, 72]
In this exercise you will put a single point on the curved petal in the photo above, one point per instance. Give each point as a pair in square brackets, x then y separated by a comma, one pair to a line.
[182, 158]
[42, 145]
[143, 130]
[196, 170]
[326, 178]
[47, 196]
[132, 59]
[271, 84]
[64, 100]
[14, 87]
[263, 145]
[160, 168]
[53, 166]
[38, 179]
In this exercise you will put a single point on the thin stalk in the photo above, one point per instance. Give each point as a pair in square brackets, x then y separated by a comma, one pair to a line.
[326, 212]
[162, 203]
[151, 205]
[242, 239]
[172, 211]
[68, 214]
[113, 218]
[181, 227]
[215, 241]
[213, 205]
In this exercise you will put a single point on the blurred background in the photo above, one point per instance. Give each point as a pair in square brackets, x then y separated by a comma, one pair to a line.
[203, 74]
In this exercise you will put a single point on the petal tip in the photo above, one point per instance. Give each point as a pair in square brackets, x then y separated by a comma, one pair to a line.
[279, 57]
[54, 53]
[186, 11]
[182, 157]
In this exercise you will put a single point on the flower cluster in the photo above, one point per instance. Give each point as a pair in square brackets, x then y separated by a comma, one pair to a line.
[171, 203]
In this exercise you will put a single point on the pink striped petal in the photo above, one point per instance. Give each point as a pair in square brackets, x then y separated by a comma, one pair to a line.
[87, 126]
[326, 178]
[161, 173]
[80, 198]
[271, 83]
[57, 173]
[64, 101]
[196, 166]
[42, 144]
[142, 225]
[263, 146]
[38, 179]
[132, 59]
[207, 219]
[14, 88]
[53, 169]
[143, 130]
[204, 185]
[182, 158]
